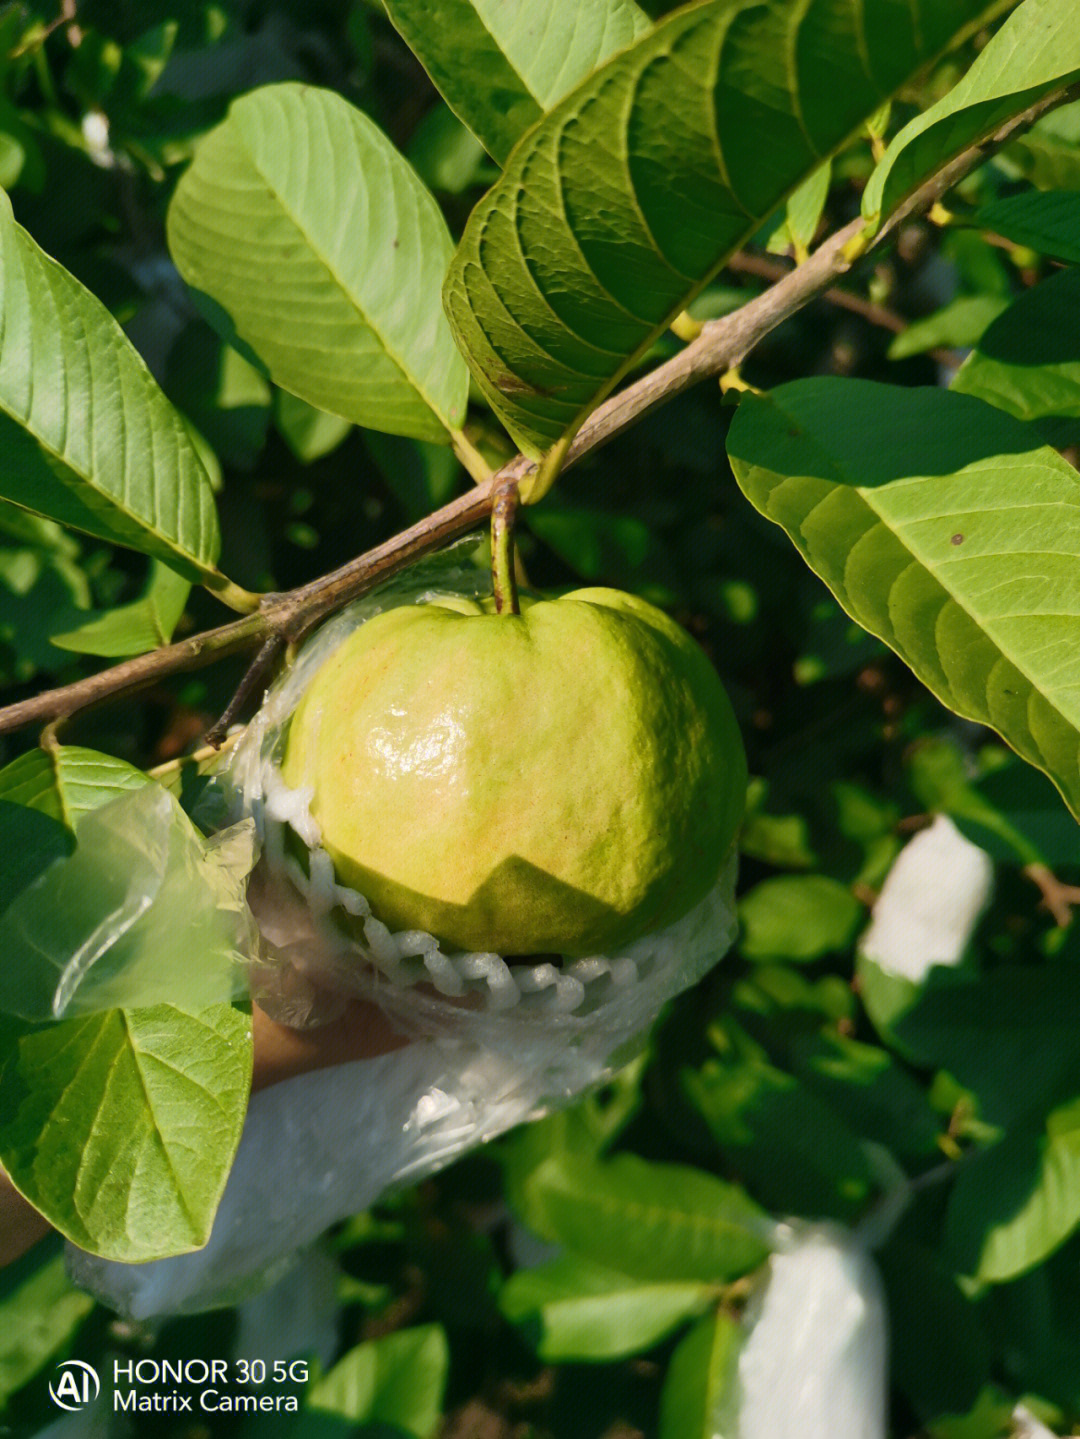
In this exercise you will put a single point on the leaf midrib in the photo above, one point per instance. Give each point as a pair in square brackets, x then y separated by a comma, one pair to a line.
[342, 288]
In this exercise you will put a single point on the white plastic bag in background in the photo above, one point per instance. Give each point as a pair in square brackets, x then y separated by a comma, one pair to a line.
[814, 1364]
[930, 903]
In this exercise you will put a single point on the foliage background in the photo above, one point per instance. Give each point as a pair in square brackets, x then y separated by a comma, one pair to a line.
[771, 1074]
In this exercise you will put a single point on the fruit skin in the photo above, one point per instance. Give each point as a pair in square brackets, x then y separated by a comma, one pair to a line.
[561, 781]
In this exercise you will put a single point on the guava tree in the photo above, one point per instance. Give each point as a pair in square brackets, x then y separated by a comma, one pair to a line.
[556, 261]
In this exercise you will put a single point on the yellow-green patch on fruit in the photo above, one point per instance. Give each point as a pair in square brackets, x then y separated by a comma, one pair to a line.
[561, 781]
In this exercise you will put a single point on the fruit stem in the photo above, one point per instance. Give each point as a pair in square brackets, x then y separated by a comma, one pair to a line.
[503, 579]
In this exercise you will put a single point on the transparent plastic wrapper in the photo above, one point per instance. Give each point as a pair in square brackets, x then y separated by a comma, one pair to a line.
[493, 1044]
[814, 1364]
[116, 922]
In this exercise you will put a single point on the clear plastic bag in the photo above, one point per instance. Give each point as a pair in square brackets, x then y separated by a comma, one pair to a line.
[493, 1044]
[116, 922]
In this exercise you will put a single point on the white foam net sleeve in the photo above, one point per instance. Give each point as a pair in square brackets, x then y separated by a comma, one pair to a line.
[493, 1044]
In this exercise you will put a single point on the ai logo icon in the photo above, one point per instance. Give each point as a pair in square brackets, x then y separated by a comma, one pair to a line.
[77, 1386]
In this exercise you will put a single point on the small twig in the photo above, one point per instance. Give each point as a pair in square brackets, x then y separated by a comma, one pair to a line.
[763, 268]
[470, 456]
[503, 577]
[722, 345]
[205, 752]
[1058, 898]
[256, 678]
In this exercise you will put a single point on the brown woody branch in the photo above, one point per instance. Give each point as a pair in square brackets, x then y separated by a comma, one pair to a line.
[722, 344]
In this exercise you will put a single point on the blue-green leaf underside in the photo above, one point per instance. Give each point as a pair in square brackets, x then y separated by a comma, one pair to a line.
[88, 437]
[500, 67]
[943, 527]
[630, 194]
[321, 254]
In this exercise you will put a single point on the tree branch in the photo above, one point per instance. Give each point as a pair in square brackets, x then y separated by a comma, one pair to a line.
[722, 344]
[764, 268]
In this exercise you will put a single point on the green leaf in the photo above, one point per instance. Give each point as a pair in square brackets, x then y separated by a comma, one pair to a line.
[115, 918]
[1049, 223]
[1041, 1315]
[957, 325]
[798, 917]
[223, 395]
[794, 1151]
[132, 629]
[447, 156]
[945, 529]
[39, 1313]
[873, 1093]
[940, 1354]
[420, 476]
[322, 255]
[653, 1221]
[499, 67]
[802, 215]
[43, 589]
[987, 1029]
[619, 549]
[1028, 361]
[43, 794]
[1016, 1202]
[121, 1127]
[308, 432]
[1036, 50]
[396, 1382]
[621, 204]
[699, 1400]
[573, 1309]
[88, 437]
[939, 775]
[1049, 153]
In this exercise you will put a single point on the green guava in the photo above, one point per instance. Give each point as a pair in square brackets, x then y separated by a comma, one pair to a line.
[561, 781]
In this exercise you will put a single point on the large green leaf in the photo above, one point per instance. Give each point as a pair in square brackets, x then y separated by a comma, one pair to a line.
[944, 528]
[654, 1221]
[121, 1127]
[322, 255]
[1028, 361]
[1036, 50]
[501, 66]
[573, 1309]
[621, 204]
[88, 437]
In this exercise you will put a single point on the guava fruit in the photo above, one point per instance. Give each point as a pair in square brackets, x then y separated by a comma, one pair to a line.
[563, 780]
